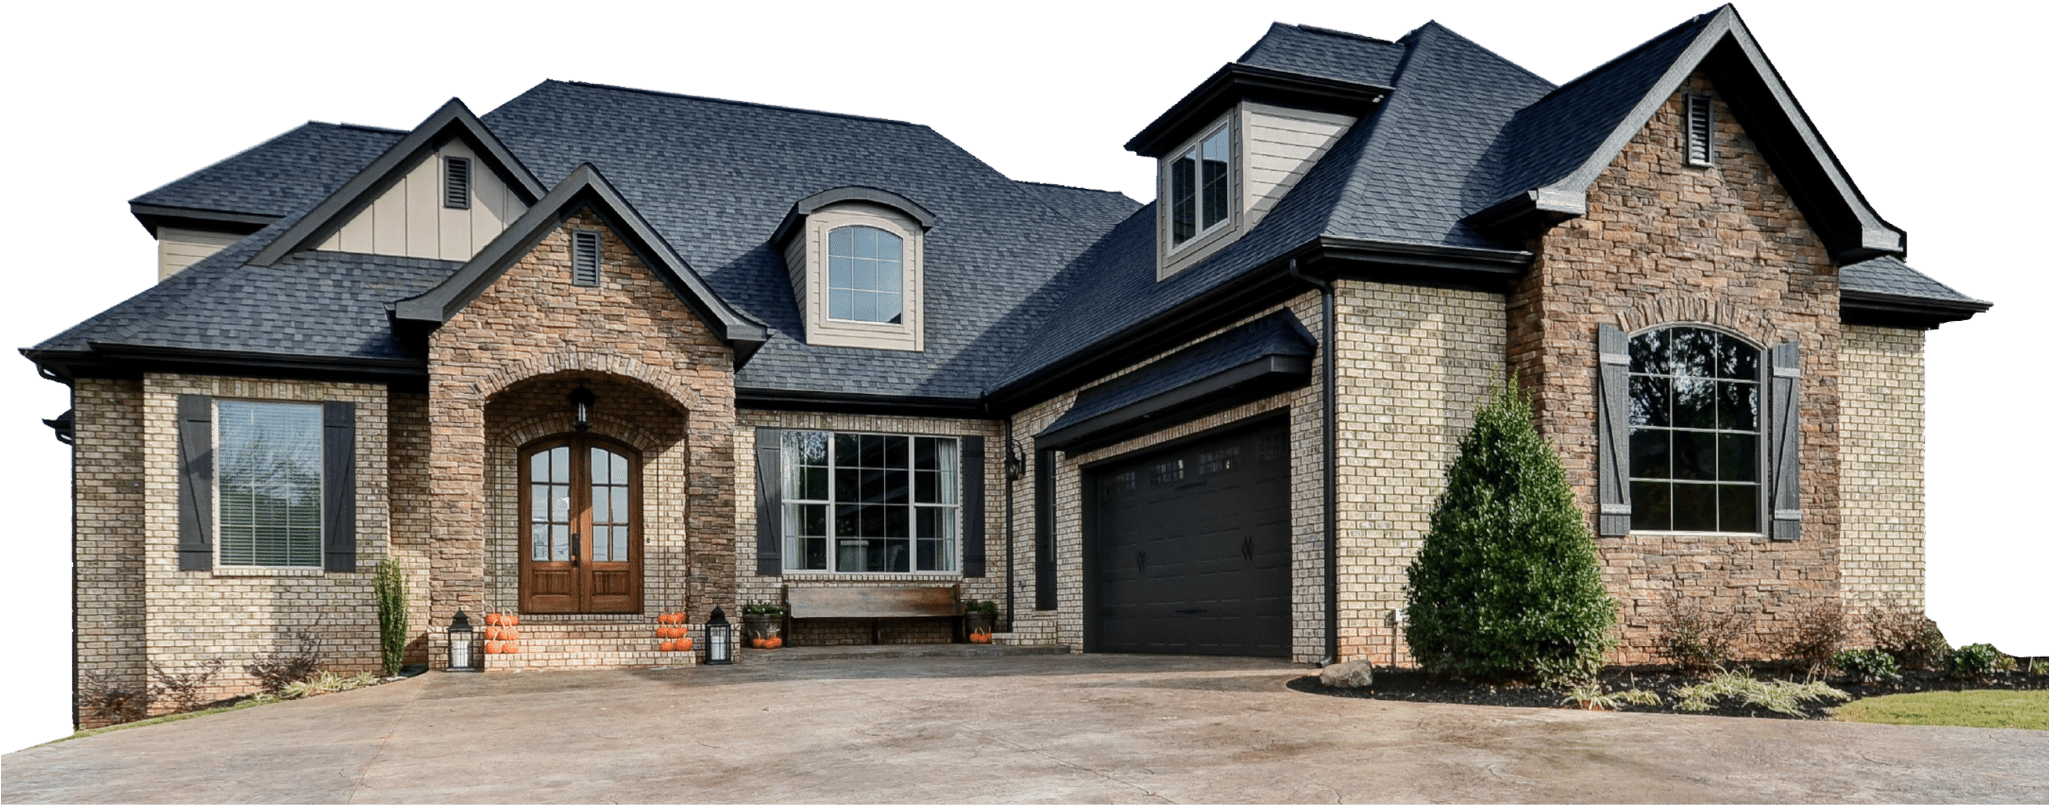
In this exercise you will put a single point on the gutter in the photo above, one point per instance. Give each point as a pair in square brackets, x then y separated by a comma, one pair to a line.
[1330, 460]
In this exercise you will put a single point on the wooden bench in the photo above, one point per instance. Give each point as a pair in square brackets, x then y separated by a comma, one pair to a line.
[874, 604]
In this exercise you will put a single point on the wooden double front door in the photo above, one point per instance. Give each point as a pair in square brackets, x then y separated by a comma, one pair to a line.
[580, 546]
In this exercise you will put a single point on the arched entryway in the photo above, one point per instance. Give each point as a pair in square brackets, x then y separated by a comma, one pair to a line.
[580, 549]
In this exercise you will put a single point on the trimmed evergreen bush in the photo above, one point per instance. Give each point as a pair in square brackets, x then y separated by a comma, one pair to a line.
[1507, 584]
[392, 625]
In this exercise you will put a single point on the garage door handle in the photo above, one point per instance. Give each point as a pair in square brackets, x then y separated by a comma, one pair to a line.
[1191, 611]
[1246, 549]
[1141, 561]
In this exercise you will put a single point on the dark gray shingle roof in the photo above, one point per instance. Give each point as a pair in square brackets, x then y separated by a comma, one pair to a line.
[1888, 275]
[292, 170]
[1325, 53]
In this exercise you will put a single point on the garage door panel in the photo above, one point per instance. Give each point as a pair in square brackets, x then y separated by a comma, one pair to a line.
[1191, 549]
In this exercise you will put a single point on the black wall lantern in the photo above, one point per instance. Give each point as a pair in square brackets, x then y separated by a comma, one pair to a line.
[465, 652]
[718, 639]
[581, 400]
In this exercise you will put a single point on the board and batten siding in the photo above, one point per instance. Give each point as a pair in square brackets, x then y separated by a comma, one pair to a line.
[1280, 146]
[409, 219]
[178, 249]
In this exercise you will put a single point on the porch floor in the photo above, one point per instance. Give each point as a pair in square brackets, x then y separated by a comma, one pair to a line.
[891, 651]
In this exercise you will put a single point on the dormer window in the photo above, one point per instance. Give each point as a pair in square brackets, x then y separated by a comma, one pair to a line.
[865, 279]
[1199, 180]
[857, 264]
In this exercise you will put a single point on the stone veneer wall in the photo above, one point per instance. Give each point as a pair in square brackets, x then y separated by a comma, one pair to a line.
[1413, 365]
[1883, 382]
[136, 607]
[1665, 242]
[108, 554]
[753, 588]
[532, 322]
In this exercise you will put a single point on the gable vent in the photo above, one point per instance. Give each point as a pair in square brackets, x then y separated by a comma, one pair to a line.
[1700, 128]
[455, 183]
[584, 258]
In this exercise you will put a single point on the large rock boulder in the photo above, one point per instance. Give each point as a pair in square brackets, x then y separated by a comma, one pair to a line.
[1354, 674]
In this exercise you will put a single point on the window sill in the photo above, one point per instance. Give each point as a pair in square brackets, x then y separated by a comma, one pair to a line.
[1728, 534]
[236, 571]
[828, 575]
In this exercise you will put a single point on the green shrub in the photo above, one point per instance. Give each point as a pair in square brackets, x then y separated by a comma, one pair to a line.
[393, 626]
[1869, 666]
[1973, 662]
[1907, 634]
[1507, 583]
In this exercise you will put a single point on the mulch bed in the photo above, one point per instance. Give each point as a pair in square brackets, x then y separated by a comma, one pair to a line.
[1409, 685]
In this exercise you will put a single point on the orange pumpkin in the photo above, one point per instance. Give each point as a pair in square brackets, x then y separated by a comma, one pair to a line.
[681, 631]
[492, 647]
[512, 620]
[685, 644]
[492, 619]
[775, 642]
[662, 632]
[668, 645]
[666, 618]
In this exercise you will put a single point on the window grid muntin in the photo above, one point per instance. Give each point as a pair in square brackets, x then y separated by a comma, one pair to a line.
[864, 275]
[288, 532]
[1736, 503]
[1199, 187]
[819, 483]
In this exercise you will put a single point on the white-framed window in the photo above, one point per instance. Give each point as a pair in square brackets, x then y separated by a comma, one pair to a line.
[1199, 187]
[870, 503]
[864, 275]
[1696, 447]
[268, 459]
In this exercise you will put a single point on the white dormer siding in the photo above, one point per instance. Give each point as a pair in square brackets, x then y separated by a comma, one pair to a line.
[1281, 145]
[413, 219]
[1271, 149]
[178, 249]
[808, 258]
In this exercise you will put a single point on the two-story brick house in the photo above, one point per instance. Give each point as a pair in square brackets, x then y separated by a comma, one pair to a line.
[602, 353]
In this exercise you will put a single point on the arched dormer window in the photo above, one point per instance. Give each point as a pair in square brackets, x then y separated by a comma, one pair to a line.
[865, 275]
[856, 257]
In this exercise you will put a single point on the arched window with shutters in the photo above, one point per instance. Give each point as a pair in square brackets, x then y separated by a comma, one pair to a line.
[1699, 433]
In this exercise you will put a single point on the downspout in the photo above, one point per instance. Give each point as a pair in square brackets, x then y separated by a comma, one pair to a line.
[1330, 461]
[1009, 530]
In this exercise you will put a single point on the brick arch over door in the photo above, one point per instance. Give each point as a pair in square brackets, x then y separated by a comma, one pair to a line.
[516, 372]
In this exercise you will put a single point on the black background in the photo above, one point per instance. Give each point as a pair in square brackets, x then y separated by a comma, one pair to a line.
[1916, 107]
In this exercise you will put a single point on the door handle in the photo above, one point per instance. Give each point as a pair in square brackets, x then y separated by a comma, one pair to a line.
[575, 549]
[1141, 561]
[1246, 549]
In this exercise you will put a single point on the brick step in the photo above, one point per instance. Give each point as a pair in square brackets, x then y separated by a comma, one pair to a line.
[591, 644]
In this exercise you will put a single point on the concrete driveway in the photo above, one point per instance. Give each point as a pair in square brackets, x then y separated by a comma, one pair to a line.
[1097, 728]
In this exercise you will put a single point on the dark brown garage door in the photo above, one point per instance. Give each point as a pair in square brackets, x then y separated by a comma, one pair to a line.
[1189, 548]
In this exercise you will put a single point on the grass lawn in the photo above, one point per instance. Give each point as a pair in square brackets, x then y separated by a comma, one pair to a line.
[2014, 709]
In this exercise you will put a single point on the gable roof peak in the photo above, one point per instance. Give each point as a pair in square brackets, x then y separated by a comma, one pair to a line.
[453, 120]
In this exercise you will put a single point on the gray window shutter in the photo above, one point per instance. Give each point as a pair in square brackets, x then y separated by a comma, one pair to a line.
[768, 501]
[1785, 442]
[338, 485]
[195, 482]
[1614, 432]
[974, 550]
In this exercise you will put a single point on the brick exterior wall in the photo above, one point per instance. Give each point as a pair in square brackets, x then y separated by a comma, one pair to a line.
[1883, 383]
[136, 607]
[755, 588]
[499, 376]
[1413, 364]
[108, 627]
[1664, 242]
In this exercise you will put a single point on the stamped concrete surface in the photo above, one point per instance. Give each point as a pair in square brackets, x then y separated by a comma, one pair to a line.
[1095, 728]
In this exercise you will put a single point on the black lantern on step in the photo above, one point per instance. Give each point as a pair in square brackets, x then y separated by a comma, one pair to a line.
[581, 400]
[718, 639]
[465, 652]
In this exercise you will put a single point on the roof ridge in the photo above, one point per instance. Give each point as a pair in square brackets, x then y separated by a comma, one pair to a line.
[1071, 187]
[707, 98]
[1318, 29]
[1695, 20]
[1482, 48]
[360, 127]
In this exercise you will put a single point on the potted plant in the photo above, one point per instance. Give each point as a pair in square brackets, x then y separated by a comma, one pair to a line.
[981, 618]
[761, 622]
